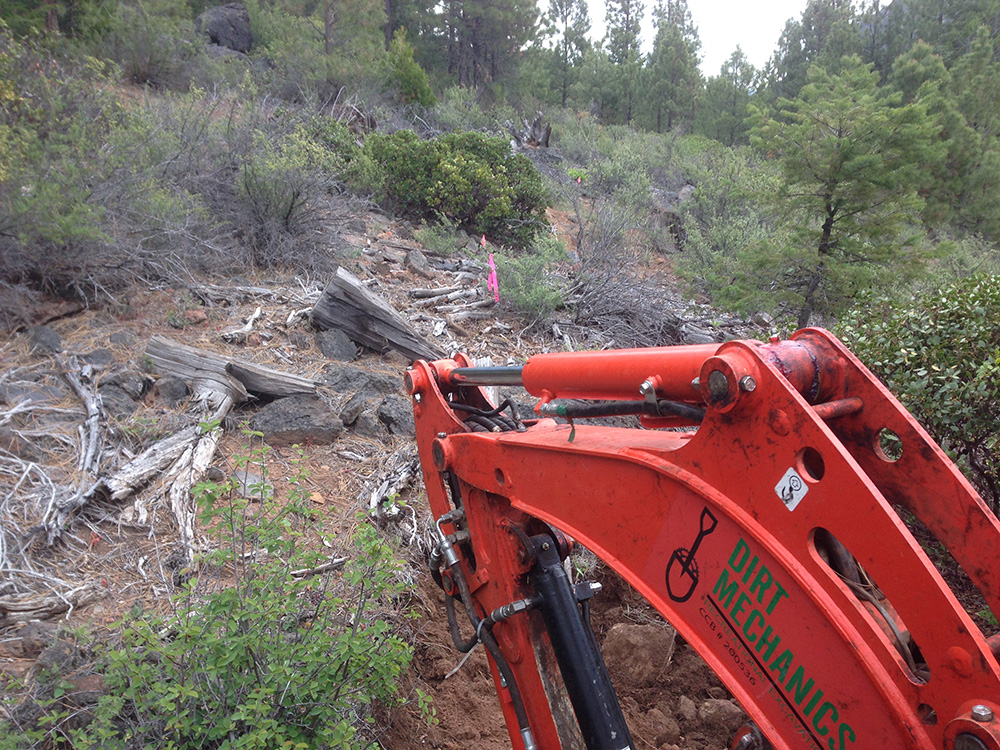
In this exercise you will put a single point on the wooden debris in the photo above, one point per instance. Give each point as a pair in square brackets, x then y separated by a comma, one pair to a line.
[60, 509]
[483, 303]
[368, 319]
[296, 315]
[14, 609]
[441, 292]
[188, 471]
[232, 377]
[213, 293]
[535, 135]
[334, 564]
[399, 469]
[450, 297]
[138, 472]
[471, 315]
[239, 335]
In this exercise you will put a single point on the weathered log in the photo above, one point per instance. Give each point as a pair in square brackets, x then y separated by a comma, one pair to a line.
[190, 469]
[231, 377]
[368, 319]
[14, 609]
[483, 303]
[138, 472]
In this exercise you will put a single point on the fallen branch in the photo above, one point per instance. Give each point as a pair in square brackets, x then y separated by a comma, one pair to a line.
[480, 304]
[89, 457]
[471, 315]
[334, 564]
[134, 475]
[424, 293]
[452, 297]
[189, 470]
[239, 335]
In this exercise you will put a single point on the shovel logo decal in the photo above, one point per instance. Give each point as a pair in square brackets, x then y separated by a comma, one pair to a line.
[682, 570]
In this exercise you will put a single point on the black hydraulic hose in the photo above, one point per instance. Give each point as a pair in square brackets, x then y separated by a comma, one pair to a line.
[498, 658]
[492, 413]
[456, 634]
[593, 409]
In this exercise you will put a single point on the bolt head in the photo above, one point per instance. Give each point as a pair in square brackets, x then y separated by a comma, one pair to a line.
[442, 435]
[748, 384]
[982, 713]
[646, 388]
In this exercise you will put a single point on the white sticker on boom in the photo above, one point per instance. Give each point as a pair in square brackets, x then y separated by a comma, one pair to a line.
[791, 489]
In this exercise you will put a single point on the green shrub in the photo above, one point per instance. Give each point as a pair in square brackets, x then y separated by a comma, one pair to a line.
[407, 76]
[728, 228]
[441, 236]
[278, 182]
[464, 108]
[472, 179]
[525, 279]
[347, 160]
[267, 655]
[154, 43]
[940, 355]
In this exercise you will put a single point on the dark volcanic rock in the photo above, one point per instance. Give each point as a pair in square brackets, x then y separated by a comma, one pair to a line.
[135, 384]
[416, 261]
[369, 427]
[17, 445]
[60, 658]
[297, 420]
[344, 379]
[226, 25]
[170, 390]
[45, 339]
[116, 401]
[98, 357]
[396, 413]
[335, 344]
[353, 408]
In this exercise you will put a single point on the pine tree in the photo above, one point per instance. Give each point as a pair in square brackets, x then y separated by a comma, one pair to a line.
[485, 37]
[825, 33]
[571, 23]
[725, 102]
[671, 77]
[624, 19]
[852, 158]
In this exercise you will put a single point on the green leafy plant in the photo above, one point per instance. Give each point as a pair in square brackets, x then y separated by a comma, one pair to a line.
[271, 644]
[939, 353]
[441, 236]
[526, 281]
[472, 179]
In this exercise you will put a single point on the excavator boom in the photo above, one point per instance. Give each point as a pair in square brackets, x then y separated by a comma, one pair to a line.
[767, 527]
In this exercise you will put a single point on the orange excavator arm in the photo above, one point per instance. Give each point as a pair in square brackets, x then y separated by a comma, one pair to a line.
[768, 531]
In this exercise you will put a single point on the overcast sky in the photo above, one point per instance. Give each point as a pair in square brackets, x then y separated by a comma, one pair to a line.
[754, 25]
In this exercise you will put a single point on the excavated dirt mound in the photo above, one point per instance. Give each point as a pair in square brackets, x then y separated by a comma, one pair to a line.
[671, 704]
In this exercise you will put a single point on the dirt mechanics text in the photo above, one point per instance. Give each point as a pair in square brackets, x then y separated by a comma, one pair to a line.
[746, 596]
